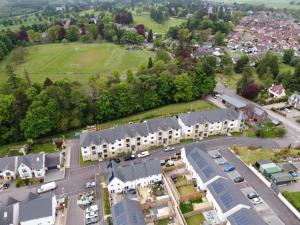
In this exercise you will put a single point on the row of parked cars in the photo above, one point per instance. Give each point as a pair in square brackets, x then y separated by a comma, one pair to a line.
[91, 215]
[253, 196]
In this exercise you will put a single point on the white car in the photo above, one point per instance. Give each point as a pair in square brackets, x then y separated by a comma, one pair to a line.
[90, 184]
[143, 154]
[168, 148]
[287, 110]
[256, 201]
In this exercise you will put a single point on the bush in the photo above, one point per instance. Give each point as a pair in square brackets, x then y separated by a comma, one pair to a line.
[186, 207]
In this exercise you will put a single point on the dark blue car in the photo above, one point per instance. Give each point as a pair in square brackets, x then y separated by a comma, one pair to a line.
[229, 168]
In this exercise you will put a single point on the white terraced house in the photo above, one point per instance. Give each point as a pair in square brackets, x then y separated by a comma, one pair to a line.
[230, 204]
[32, 165]
[109, 143]
[120, 179]
[8, 168]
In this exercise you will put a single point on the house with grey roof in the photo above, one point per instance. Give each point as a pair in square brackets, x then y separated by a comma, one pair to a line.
[120, 179]
[53, 161]
[32, 165]
[127, 212]
[7, 215]
[197, 125]
[227, 200]
[294, 100]
[164, 131]
[38, 210]
[8, 168]
[256, 114]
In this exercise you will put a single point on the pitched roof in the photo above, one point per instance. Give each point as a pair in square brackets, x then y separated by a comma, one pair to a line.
[8, 163]
[226, 194]
[112, 134]
[6, 215]
[282, 177]
[277, 88]
[201, 162]
[163, 124]
[34, 208]
[233, 101]
[127, 212]
[246, 217]
[34, 161]
[52, 159]
[210, 116]
[133, 171]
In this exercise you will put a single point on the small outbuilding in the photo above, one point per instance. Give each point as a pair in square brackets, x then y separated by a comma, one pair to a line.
[256, 114]
[282, 178]
[232, 102]
[289, 167]
[268, 169]
[259, 163]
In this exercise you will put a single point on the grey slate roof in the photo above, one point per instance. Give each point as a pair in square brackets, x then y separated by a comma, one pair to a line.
[227, 194]
[163, 124]
[33, 161]
[8, 163]
[6, 215]
[202, 163]
[127, 212]
[246, 217]
[132, 172]
[52, 160]
[34, 208]
[211, 116]
[233, 101]
[112, 134]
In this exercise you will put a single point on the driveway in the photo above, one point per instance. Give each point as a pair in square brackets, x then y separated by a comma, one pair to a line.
[267, 194]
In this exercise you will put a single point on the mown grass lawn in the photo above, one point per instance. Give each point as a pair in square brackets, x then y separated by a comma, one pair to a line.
[186, 189]
[293, 198]
[195, 220]
[164, 222]
[76, 61]
[161, 28]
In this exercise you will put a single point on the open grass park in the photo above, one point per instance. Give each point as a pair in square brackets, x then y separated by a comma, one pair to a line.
[76, 61]
[161, 28]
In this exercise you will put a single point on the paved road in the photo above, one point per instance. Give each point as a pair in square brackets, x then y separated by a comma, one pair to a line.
[267, 194]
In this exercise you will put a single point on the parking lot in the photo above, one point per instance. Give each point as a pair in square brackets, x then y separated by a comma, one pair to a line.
[226, 159]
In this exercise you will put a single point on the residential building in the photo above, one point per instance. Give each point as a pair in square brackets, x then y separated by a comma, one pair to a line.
[227, 200]
[32, 165]
[109, 143]
[38, 210]
[294, 100]
[7, 215]
[197, 125]
[120, 179]
[164, 131]
[127, 212]
[53, 161]
[256, 114]
[8, 168]
[277, 91]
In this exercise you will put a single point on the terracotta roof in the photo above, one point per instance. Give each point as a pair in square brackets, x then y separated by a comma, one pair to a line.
[277, 88]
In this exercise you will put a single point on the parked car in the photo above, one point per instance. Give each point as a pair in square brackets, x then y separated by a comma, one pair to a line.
[143, 154]
[287, 110]
[132, 191]
[216, 156]
[90, 184]
[256, 201]
[128, 157]
[91, 220]
[117, 160]
[252, 195]
[168, 148]
[5, 186]
[294, 174]
[238, 179]
[46, 187]
[229, 169]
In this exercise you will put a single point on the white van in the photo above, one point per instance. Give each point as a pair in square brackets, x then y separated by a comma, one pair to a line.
[46, 187]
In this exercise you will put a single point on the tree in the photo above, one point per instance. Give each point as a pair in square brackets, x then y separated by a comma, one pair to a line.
[173, 32]
[247, 79]
[219, 38]
[53, 33]
[241, 63]
[150, 36]
[150, 63]
[23, 36]
[72, 33]
[140, 29]
[13, 81]
[288, 56]
[27, 78]
[7, 119]
[48, 82]
[251, 91]
[132, 38]
[183, 88]
[92, 31]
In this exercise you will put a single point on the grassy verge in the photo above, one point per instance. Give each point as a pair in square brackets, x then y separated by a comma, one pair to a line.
[164, 222]
[104, 197]
[293, 198]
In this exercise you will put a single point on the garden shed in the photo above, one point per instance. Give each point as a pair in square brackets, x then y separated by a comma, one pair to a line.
[259, 163]
[268, 169]
[282, 178]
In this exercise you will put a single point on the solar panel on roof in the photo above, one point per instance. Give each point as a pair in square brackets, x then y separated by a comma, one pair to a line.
[226, 200]
[201, 163]
[218, 187]
[241, 219]
[208, 172]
